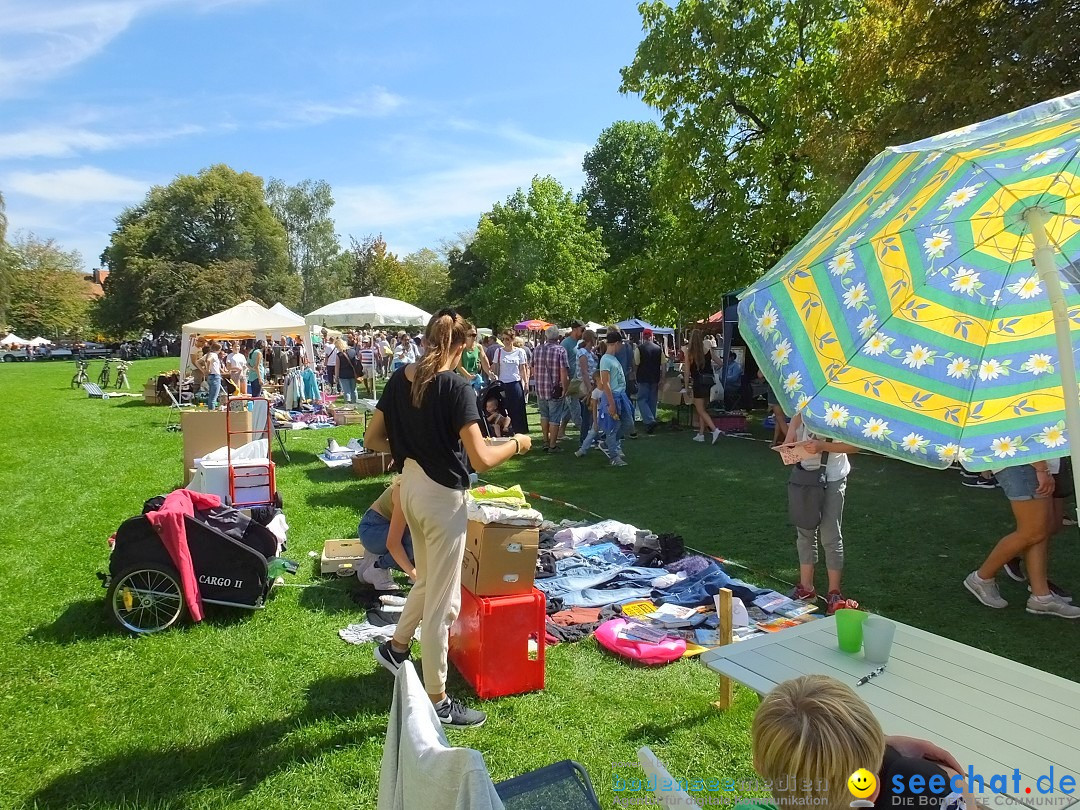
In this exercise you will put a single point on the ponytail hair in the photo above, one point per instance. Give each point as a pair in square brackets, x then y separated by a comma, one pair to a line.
[445, 336]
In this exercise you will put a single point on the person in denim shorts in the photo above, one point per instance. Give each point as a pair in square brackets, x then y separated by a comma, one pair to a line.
[1029, 488]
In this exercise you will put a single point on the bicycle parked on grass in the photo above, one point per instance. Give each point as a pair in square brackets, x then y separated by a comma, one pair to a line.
[105, 375]
[80, 376]
[121, 374]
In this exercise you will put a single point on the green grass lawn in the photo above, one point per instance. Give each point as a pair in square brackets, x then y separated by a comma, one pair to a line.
[271, 709]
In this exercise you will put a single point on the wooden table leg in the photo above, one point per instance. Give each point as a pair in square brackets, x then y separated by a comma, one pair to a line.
[725, 633]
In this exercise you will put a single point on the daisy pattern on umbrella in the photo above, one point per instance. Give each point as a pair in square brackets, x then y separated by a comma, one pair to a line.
[836, 415]
[914, 443]
[1042, 158]
[877, 344]
[1038, 364]
[947, 452]
[876, 429]
[965, 280]
[1052, 435]
[885, 207]
[1005, 446]
[793, 382]
[852, 240]
[937, 244]
[781, 353]
[959, 368]
[1027, 287]
[867, 325]
[992, 369]
[856, 296]
[918, 356]
[804, 400]
[768, 321]
[960, 197]
[842, 264]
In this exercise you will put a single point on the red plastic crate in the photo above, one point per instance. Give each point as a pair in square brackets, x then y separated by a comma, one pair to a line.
[489, 643]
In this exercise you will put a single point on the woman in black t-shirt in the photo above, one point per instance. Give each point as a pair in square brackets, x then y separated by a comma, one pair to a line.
[429, 420]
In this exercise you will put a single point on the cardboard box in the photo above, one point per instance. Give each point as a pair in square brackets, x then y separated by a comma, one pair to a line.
[499, 560]
[669, 391]
[150, 392]
[204, 432]
[348, 417]
[341, 556]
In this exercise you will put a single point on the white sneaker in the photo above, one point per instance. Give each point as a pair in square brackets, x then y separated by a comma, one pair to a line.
[379, 579]
[699, 437]
[715, 435]
[355, 444]
[618, 461]
[1052, 606]
[367, 562]
[986, 592]
[332, 446]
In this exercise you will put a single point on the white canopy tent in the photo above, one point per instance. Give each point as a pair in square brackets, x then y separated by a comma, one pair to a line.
[246, 320]
[40, 341]
[369, 310]
[13, 340]
[281, 309]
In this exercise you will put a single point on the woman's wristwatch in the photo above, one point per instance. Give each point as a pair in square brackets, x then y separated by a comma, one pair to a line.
[517, 446]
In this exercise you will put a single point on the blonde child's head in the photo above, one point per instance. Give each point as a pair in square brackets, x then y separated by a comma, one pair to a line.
[809, 735]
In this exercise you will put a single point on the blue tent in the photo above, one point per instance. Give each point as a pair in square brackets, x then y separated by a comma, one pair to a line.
[637, 325]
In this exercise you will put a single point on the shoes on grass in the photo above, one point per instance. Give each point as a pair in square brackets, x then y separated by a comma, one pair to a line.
[1015, 570]
[978, 482]
[1052, 606]
[802, 594]
[378, 578]
[1057, 592]
[455, 714]
[715, 435]
[390, 659]
[837, 601]
[985, 590]
[618, 461]
[699, 437]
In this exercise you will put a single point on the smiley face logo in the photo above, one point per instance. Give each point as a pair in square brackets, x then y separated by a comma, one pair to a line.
[862, 784]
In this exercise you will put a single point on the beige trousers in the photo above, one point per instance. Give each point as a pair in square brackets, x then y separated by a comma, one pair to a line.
[437, 520]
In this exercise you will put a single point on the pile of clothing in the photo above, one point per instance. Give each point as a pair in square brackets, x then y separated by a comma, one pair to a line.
[508, 506]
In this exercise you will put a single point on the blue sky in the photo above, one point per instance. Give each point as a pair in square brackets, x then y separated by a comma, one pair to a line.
[419, 114]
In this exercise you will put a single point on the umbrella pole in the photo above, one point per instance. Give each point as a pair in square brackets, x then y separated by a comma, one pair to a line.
[1036, 219]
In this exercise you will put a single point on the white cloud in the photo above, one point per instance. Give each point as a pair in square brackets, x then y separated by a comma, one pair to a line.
[376, 103]
[65, 141]
[41, 40]
[420, 210]
[87, 184]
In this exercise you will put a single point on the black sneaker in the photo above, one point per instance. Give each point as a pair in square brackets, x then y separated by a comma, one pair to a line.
[651, 428]
[456, 714]
[388, 658]
[1014, 569]
[980, 483]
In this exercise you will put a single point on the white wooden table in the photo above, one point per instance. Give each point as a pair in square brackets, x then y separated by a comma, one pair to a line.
[991, 713]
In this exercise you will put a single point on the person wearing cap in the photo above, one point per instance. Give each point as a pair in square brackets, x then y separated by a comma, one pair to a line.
[552, 378]
[574, 391]
[616, 414]
[651, 359]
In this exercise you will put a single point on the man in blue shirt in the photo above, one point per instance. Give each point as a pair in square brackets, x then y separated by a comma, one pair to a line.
[573, 398]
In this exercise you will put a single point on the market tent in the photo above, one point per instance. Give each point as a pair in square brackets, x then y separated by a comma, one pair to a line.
[637, 325]
[596, 327]
[368, 310]
[246, 320]
[13, 340]
[40, 341]
[281, 309]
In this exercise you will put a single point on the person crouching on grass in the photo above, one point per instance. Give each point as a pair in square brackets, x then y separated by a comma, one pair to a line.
[812, 733]
[428, 419]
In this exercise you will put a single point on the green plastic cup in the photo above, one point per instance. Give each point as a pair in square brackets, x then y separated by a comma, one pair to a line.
[849, 629]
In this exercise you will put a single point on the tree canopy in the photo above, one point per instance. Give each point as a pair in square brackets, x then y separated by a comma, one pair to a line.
[193, 247]
[304, 212]
[48, 295]
[543, 258]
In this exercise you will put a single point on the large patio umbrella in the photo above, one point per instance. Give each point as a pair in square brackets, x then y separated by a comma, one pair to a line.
[534, 325]
[933, 314]
[368, 310]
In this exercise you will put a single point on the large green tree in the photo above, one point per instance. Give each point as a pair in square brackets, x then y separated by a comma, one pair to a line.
[543, 258]
[430, 277]
[466, 272]
[190, 232]
[48, 295]
[304, 211]
[375, 270]
[623, 176]
[6, 264]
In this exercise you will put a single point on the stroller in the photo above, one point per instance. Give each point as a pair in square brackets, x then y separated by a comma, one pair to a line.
[493, 391]
[230, 555]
